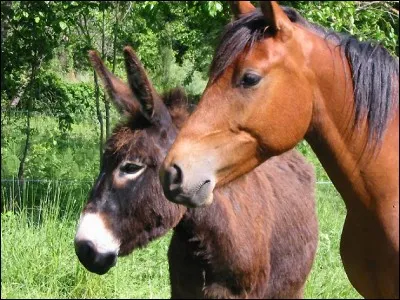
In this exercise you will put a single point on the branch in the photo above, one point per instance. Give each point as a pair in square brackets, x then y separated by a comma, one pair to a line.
[127, 11]
[85, 33]
[362, 5]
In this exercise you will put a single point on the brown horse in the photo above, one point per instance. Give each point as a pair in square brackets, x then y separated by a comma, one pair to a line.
[276, 79]
[258, 240]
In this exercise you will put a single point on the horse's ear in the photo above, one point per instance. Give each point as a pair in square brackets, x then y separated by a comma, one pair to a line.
[118, 91]
[241, 7]
[139, 82]
[277, 19]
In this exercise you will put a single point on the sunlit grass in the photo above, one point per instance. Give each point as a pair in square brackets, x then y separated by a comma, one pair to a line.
[327, 278]
[38, 261]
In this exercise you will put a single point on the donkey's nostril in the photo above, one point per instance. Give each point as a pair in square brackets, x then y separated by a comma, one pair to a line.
[85, 251]
[93, 260]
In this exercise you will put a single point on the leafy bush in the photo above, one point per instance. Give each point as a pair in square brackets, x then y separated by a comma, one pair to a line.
[171, 74]
[53, 154]
[70, 102]
[366, 20]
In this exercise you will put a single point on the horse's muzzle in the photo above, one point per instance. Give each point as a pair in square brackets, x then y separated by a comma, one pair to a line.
[190, 193]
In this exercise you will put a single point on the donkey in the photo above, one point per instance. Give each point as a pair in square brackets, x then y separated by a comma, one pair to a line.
[258, 240]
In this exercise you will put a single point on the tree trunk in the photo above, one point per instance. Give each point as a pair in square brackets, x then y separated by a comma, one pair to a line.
[27, 141]
[84, 29]
[28, 123]
[19, 95]
[115, 38]
[106, 102]
[99, 117]
[5, 13]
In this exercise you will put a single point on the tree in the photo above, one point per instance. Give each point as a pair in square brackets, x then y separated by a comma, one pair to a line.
[35, 30]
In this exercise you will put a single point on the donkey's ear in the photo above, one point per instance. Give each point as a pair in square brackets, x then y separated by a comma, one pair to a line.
[139, 82]
[118, 91]
[241, 7]
[277, 19]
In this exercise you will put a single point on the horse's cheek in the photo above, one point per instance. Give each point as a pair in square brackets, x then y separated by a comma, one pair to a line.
[281, 126]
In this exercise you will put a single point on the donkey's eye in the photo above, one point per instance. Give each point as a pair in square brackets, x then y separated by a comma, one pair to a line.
[131, 168]
[250, 79]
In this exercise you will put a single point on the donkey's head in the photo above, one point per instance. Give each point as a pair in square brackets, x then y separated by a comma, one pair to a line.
[126, 207]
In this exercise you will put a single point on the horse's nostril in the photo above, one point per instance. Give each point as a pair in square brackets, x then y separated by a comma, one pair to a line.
[178, 174]
[174, 177]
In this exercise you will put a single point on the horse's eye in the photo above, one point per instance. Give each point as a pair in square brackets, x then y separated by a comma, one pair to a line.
[250, 79]
[131, 168]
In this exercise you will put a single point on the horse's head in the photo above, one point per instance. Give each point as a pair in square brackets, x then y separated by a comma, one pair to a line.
[126, 207]
[258, 103]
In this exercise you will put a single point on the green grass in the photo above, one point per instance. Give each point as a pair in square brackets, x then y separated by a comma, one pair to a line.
[38, 258]
[327, 278]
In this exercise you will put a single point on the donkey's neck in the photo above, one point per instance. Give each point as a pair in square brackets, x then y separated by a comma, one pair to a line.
[355, 172]
[218, 235]
[207, 230]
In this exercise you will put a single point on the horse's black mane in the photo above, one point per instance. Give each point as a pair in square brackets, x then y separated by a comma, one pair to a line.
[374, 71]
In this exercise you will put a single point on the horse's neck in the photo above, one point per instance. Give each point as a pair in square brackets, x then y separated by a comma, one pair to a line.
[360, 178]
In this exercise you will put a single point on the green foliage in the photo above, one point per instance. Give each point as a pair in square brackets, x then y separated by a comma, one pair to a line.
[34, 33]
[172, 74]
[368, 21]
[54, 154]
[70, 102]
[11, 143]
[191, 28]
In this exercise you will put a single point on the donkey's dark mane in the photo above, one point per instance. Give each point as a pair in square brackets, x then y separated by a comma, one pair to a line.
[176, 102]
[374, 71]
